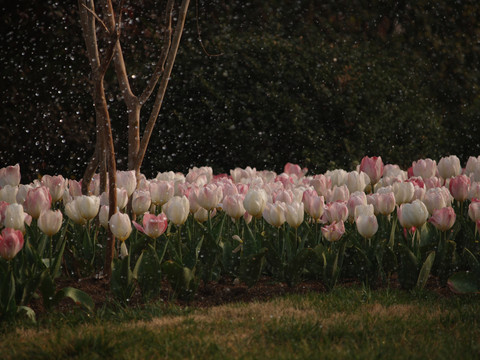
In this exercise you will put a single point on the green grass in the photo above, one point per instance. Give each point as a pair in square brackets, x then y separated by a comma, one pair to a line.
[352, 323]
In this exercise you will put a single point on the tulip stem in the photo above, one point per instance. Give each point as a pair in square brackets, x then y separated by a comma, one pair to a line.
[51, 256]
[179, 240]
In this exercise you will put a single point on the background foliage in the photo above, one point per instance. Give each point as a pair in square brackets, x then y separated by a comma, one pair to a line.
[320, 83]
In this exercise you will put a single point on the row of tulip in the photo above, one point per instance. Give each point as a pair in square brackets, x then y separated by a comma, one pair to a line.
[289, 225]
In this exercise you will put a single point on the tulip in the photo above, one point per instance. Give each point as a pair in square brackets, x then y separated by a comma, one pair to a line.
[437, 198]
[336, 211]
[88, 206]
[9, 194]
[357, 198]
[233, 206]
[285, 196]
[334, 231]
[177, 209]
[474, 210]
[459, 187]
[394, 171]
[120, 226]
[153, 226]
[338, 193]
[193, 199]
[338, 177]
[37, 200]
[209, 196]
[314, 205]
[403, 192]
[274, 214]
[238, 175]
[50, 222]
[367, 225]
[200, 176]
[364, 210]
[11, 242]
[127, 181]
[10, 175]
[255, 202]
[473, 165]
[73, 212]
[103, 216]
[22, 193]
[321, 184]
[75, 188]
[15, 217]
[418, 192]
[201, 215]
[294, 169]
[433, 182]
[161, 191]
[295, 214]
[425, 168]
[443, 219]
[141, 202]
[474, 192]
[413, 215]
[373, 167]
[449, 167]
[3, 210]
[385, 203]
[56, 186]
[357, 181]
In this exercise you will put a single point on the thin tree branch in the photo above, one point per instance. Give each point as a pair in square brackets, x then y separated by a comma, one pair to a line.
[96, 17]
[160, 66]
[199, 33]
[182, 14]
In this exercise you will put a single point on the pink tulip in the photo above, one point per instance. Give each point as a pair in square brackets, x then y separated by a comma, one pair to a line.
[426, 168]
[10, 175]
[3, 210]
[285, 196]
[11, 242]
[338, 193]
[385, 203]
[75, 188]
[373, 167]
[153, 226]
[474, 210]
[357, 198]
[209, 196]
[321, 184]
[293, 169]
[314, 205]
[459, 187]
[334, 231]
[443, 219]
[161, 191]
[474, 192]
[141, 202]
[56, 186]
[433, 182]
[437, 198]
[127, 181]
[233, 206]
[336, 211]
[38, 200]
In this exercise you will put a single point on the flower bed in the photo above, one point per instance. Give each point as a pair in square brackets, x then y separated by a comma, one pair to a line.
[369, 225]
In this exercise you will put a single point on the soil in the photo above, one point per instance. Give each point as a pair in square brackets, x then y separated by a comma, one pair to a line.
[226, 290]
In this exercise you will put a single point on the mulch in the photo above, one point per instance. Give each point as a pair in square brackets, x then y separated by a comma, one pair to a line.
[224, 291]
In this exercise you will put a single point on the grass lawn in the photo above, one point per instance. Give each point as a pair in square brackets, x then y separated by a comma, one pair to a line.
[349, 323]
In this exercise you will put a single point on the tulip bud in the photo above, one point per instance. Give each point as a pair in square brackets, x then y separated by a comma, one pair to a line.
[364, 210]
[338, 177]
[357, 181]
[336, 212]
[357, 198]
[56, 186]
[103, 216]
[386, 203]
[9, 194]
[209, 196]
[127, 181]
[73, 212]
[403, 192]
[11, 242]
[50, 222]
[161, 191]
[120, 226]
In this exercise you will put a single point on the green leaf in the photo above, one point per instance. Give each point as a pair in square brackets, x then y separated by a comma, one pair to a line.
[47, 289]
[78, 296]
[425, 270]
[297, 265]
[122, 282]
[28, 312]
[148, 273]
[473, 262]
[464, 283]
[408, 269]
